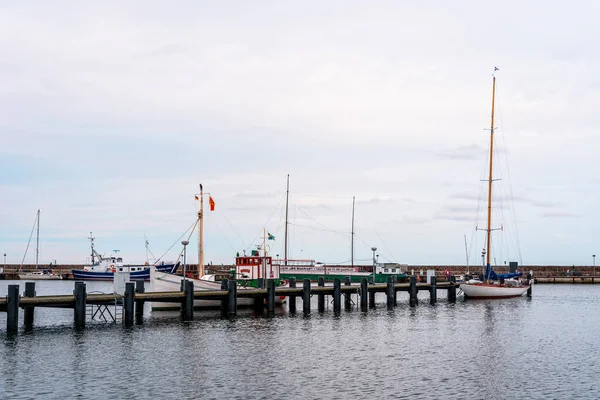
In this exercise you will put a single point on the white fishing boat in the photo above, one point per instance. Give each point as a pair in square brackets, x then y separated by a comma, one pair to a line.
[248, 270]
[494, 286]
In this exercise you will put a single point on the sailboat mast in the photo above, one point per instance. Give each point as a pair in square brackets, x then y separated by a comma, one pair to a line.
[466, 253]
[352, 236]
[489, 214]
[285, 246]
[201, 236]
[37, 243]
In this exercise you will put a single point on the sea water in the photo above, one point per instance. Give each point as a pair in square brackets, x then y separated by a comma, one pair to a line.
[545, 347]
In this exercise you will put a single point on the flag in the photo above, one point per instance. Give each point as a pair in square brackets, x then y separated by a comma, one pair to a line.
[211, 202]
[196, 197]
[496, 69]
[270, 237]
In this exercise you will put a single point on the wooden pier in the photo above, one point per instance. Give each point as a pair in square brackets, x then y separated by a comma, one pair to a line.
[132, 302]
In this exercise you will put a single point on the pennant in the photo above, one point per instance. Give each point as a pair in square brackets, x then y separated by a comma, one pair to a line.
[211, 202]
[270, 237]
[196, 197]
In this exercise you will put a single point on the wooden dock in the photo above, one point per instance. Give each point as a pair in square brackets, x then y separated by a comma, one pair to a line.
[132, 302]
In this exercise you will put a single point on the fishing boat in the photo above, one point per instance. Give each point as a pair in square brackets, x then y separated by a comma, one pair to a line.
[44, 274]
[103, 268]
[494, 286]
[248, 271]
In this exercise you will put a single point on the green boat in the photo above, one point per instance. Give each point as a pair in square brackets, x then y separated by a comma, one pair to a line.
[313, 271]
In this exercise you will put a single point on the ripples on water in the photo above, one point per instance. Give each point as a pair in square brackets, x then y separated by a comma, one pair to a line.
[539, 348]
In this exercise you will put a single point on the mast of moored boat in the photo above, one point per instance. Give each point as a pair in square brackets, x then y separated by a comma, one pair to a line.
[466, 253]
[37, 242]
[92, 247]
[287, 196]
[200, 237]
[352, 236]
[489, 213]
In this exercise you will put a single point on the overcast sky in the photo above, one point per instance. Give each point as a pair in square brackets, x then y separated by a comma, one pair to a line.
[112, 112]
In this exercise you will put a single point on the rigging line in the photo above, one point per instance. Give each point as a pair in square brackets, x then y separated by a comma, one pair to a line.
[225, 237]
[29, 241]
[312, 219]
[384, 245]
[177, 241]
[359, 238]
[264, 226]
[232, 227]
[322, 229]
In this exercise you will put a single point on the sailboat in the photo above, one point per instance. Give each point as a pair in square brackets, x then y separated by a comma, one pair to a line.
[248, 270]
[494, 286]
[37, 275]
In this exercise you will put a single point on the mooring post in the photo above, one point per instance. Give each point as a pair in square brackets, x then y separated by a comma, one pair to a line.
[189, 300]
[371, 295]
[452, 289]
[433, 290]
[321, 296]
[337, 295]
[28, 311]
[128, 303]
[232, 297]
[292, 298]
[12, 310]
[261, 283]
[412, 291]
[395, 291]
[529, 289]
[347, 296]
[270, 295]
[139, 304]
[224, 299]
[80, 299]
[306, 297]
[364, 290]
[390, 292]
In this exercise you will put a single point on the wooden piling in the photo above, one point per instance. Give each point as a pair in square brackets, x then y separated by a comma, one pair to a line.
[224, 300]
[270, 296]
[395, 277]
[320, 296]
[139, 304]
[12, 308]
[28, 311]
[390, 292]
[364, 290]
[433, 290]
[371, 296]
[412, 291]
[347, 295]
[529, 290]
[232, 297]
[452, 289]
[128, 303]
[260, 283]
[337, 295]
[292, 298]
[188, 303]
[80, 302]
[306, 297]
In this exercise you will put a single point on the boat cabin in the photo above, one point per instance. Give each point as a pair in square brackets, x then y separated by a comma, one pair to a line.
[255, 267]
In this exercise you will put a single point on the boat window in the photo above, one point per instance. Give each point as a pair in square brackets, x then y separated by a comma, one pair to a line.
[120, 269]
[386, 270]
[394, 270]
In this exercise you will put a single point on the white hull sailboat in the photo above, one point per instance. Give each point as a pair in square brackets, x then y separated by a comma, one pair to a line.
[494, 286]
[37, 275]
[248, 270]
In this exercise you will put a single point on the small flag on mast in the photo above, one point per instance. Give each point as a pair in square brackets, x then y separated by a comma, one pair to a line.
[270, 237]
[496, 69]
[211, 203]
[196, 197]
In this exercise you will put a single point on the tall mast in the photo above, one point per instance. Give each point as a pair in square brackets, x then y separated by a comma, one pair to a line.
[37, 243]
[287, 196]
[92, 246]
[466, 253]
[352, 236]
[200, 237]
[489, 215]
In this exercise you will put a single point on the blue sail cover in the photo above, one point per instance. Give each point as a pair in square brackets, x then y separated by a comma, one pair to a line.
[490, 274]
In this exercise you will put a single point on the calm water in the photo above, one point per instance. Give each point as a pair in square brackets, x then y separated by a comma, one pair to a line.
[545, 347]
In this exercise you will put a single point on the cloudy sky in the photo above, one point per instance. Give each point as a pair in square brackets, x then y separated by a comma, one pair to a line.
[112, 113]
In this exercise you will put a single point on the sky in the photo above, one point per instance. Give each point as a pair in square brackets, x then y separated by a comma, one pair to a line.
[112, 113]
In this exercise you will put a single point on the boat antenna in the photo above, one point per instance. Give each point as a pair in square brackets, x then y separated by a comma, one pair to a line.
[352, 236]
[37, 243]
[287, 196]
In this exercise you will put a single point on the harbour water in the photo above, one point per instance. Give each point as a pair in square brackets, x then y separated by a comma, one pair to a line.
[545, 347]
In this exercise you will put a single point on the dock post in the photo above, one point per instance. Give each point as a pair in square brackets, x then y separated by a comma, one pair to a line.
[28, 311]
[232, 297]
[364, 290]
[12, 310]
[347, 296]
[395, 291]
[224, 299]
[452, 289]
[188, 308]
[292, 298]
[371, 296]
[260, 282]
[128, 303]
[412, 291]
[270, 296]
[139, 304]
[337, 295]
[321, 296]
[306, 297]
[529, 290]
[390, 292]
[433, 290]
[80, 301]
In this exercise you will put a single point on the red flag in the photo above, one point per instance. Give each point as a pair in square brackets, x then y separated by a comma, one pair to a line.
[211, 202]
